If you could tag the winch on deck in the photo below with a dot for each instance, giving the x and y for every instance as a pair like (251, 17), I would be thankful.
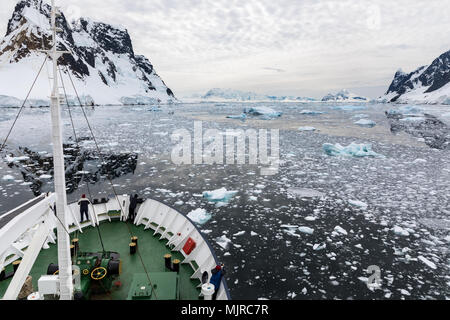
(93, 274)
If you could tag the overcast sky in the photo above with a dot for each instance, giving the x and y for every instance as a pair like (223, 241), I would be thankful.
(282, 47)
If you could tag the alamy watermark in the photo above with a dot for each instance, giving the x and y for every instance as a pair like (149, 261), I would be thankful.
(231, 147)
(374, 281)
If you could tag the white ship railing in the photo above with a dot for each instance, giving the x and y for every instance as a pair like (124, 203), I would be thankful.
(166, 222)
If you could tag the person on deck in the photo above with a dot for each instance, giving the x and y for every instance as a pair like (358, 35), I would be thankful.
(84, 208)
(133, 205)
(217, 274)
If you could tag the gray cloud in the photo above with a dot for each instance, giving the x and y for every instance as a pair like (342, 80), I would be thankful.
(322, 45)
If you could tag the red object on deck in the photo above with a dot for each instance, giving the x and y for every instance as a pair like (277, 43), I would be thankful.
(189, 246)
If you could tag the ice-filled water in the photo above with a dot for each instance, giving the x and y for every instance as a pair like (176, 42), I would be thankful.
(345, 214)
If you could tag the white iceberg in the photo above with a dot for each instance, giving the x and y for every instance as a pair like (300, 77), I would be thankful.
(199, 216)
(352, 150)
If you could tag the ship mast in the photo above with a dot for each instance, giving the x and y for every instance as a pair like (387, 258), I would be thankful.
(64, 257)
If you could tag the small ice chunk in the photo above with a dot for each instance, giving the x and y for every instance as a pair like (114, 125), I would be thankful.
(16, 159)
(223, 241)
(305, 193)
(358, 203)
(400, 231)
(341, 230)
(427, 262)
(310, 218)
(307, 129)
(45, 176)
(199, 216)
(8, 178)
(318, 247)
(306, 230)
(242, 116)
(238, 234)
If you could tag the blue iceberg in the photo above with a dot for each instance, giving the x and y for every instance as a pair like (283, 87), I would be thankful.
(352, 150)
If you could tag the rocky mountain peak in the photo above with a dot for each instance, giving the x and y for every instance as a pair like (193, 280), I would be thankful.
(103, 54)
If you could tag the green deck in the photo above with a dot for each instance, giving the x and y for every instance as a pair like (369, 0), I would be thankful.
(116, 237)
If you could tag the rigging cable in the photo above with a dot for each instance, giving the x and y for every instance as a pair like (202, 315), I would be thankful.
(78, 146)
(109, 178)
(23, 105)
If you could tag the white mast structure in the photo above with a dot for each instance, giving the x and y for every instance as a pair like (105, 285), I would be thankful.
(64, 257)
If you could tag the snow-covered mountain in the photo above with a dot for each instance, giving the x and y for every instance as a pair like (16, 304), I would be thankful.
(218, 94)
(344, 96)
(428, 84)
(104, 67)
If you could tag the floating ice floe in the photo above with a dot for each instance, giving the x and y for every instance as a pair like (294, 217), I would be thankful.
(10, 159)
(305, 193)
(306, 230)
(242, 116)
(224, 242)
(349, 108)
(199, 216)
(413, 119)
(240, 233)
(45, 177)
(310, 218)
(318, 247)
(307, 129)
(341, 230)
(8, 178)
(427, 262)
(358, 203)
(366, 123)
(222, 195)
(311, 112)
(352, 150)
(266, 112)
(405, 110)
(400, 231)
